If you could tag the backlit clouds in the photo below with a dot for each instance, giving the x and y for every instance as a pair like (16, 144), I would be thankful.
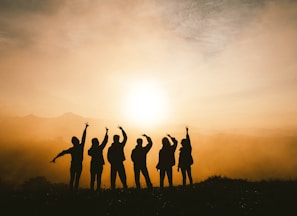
(219, 56)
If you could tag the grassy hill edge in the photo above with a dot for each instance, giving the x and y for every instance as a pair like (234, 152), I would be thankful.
(215, 195)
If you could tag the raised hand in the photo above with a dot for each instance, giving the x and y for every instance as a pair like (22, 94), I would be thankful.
(87, 125)
(120, 127)
(106, 129)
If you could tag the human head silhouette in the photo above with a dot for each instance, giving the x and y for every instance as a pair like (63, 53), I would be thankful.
(183, 142)
(139, 141)
(95, 142)
(165, 142)
(75, 141)
(116, 138)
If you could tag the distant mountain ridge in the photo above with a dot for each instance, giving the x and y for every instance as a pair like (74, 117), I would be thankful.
(70, 123)
(33, 126)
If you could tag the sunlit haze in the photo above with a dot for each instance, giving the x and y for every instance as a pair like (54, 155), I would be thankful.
(226, 69)
(145, 103)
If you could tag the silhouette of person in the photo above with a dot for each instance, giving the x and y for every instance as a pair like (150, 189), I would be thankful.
(185, 158)
(166, 159)
(76, 152)
(138, 157)
(116, 157)
(97, 160)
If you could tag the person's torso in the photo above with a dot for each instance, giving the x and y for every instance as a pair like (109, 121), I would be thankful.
(116, 153)
(185, 157)
(77, 154)
(96, 155)
(166, 157)
(139, 156)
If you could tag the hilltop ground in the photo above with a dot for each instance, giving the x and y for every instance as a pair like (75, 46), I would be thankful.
(215, 196)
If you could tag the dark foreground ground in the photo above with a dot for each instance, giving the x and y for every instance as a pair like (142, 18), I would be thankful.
(215, 196)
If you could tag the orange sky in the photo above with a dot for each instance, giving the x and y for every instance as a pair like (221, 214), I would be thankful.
(211, 65)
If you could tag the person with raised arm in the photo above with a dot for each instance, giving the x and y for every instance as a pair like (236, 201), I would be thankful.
(185, 158)
(76, 152)
(116, 157)
(166, 160)
(138, 156)
(97, 160)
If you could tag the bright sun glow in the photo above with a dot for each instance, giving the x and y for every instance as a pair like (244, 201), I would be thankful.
(145, 104)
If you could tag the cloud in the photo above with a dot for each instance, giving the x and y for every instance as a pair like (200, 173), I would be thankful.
(15, 15)
(72, 53)
(29, 6)
(211, 25)
(252, 81)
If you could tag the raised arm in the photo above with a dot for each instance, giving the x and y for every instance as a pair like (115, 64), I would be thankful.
(173, 140)
(104, 142)
(149, 144)
(188, 136)
(83, 139)
(124, 135)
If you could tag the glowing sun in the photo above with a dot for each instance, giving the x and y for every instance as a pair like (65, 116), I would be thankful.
(145, 103)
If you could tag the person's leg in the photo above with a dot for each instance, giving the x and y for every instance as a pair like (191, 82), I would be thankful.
(77, 177)
(112, 176)
(92, 181)
(183, 171)
(99, 175)
(169, 175)
(122, 174)
(137, 176)
(146, 176)
(189, 171)
(162, 176)
(72, 175)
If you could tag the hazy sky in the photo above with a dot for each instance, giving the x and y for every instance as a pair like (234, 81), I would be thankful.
(219, 63)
